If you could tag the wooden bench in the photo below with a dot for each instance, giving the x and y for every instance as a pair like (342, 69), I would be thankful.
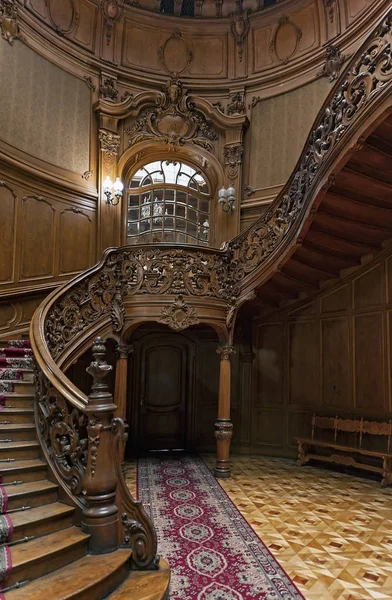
(354, 452)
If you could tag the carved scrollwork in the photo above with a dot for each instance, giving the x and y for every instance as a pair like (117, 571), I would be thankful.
(137, 537)
(9, 21)
(233, 159)
(179, 315)
(110, 144)
(174, 121)
(63, 429)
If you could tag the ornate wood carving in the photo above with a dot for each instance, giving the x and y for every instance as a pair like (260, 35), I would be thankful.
(224, 430)
(186, 53)
(9, 21)
(63, 28)
(174, 121)
(284, 22)
(236, 106)
(110, 144)
(112, 11)
(330, 6)
(240, 26)
(179, 315)
(233, 159)
(108, 89)
(87, 175)
(90, 83)
(334, 60)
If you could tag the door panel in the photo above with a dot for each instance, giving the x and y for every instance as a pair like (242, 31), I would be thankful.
(163, 394)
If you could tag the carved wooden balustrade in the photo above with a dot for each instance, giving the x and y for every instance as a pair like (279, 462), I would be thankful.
(180, 286)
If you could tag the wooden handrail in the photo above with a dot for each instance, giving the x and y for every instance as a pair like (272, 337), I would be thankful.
(78, 311)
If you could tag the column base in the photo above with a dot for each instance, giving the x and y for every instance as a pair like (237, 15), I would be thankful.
(222, 472)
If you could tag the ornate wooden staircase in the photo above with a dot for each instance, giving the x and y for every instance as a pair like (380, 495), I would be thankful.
(49, 554)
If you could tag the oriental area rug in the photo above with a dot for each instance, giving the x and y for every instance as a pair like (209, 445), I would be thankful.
(213, 552)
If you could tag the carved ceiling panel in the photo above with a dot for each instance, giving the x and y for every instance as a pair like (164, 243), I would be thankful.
(63, 15)
(176, 53)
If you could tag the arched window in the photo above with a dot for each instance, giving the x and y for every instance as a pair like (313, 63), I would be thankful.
(168, 201)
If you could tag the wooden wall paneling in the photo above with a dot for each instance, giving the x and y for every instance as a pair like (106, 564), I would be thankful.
(299, 424)
(75, 241)
(335, 364)
(368, 288)
(38, 227)
(16, 313)
(8, 208)
(206, 387)
(245, 396)
(335, 301)
(267, 429)
(369, 368)
(303, 350)
(268, 371)
(87, 24)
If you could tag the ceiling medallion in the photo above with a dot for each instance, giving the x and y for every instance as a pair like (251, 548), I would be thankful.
(177, 51)
(240, 26)
(174, 121)
(112, 11)
(179, 315)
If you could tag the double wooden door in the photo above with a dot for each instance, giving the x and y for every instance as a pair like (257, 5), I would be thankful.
(161, 402)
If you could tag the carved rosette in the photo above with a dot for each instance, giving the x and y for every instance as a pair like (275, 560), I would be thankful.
(110, 144)
(334, 60)
(233, 159)
(112, 11)
(223, 431)
(179, 315)
(9, 21)
(174, 122)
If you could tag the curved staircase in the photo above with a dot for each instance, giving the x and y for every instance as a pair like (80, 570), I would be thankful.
(49, 554)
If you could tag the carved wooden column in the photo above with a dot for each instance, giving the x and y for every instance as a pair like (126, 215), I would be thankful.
(121, 381)
(223, 426)
(100, 517)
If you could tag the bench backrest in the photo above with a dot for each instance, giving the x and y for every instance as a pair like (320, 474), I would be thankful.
(360, 426)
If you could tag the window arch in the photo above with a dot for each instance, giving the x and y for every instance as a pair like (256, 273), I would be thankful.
(168, 201)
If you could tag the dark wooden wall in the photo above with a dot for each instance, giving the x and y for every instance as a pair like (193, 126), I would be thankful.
(330, 355)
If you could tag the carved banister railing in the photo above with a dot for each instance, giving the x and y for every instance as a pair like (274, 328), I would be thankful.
(73, 315)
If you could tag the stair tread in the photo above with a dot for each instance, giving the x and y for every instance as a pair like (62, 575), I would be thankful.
(79, 575)
(144, 585)
(16, 411)
(16, 427)
(30, 487)
(55, 509)
(29, 463)
(47, 545)
(23, 444)
(17, 395)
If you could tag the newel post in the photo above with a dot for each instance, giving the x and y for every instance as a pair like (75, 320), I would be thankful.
(100, 517)
(223, 425)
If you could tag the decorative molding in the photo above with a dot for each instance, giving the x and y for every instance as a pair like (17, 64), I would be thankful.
(273, 49)
(87, 175)
(9, 21)
(224, 430)
(108, 89)
(179, 315)
(248, 190)
(225, 352)
(136, 536)
(255, 100)
(236, 106)
(112, 11)
(240, 26)
(94, 429)
(90, 84)
(188, 53)
(233, 159)
(174, 122)
(126, 95)
(124, 350)
(74, 19)
(110, 144)
(330, 6)
(334, 60)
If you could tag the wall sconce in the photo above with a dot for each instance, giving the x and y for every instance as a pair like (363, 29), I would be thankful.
(226, 199)
(109, 187)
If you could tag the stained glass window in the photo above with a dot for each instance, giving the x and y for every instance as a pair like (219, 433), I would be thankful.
(168, 201)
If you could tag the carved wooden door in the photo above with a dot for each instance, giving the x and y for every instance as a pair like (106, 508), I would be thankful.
(163, 390)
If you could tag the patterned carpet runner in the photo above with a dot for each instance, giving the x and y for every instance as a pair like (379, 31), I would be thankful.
(213, 552)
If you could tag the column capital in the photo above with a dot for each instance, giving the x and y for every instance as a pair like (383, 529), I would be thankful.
(123, 350)
(225, 352)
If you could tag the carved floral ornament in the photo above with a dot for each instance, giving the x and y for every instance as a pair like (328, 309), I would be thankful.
(110, 144)
(179, 315)
(240, 26)
(174, 121)
(233, 158)
(334, 60)
(9, 21)
(112, 11)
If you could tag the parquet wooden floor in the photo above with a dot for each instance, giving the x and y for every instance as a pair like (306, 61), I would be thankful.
(331, 532)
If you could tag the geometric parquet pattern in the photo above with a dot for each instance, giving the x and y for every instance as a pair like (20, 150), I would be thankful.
(331, 532)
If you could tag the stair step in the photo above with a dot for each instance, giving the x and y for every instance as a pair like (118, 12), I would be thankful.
(32, 493)
(90, 577)
(18, 432)
(144, 585)
(41, 520)
(19, 450)
(23, 470)
(40, 556)
(16, 374)
(18, 400)
(17, 415)
(16, 385)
